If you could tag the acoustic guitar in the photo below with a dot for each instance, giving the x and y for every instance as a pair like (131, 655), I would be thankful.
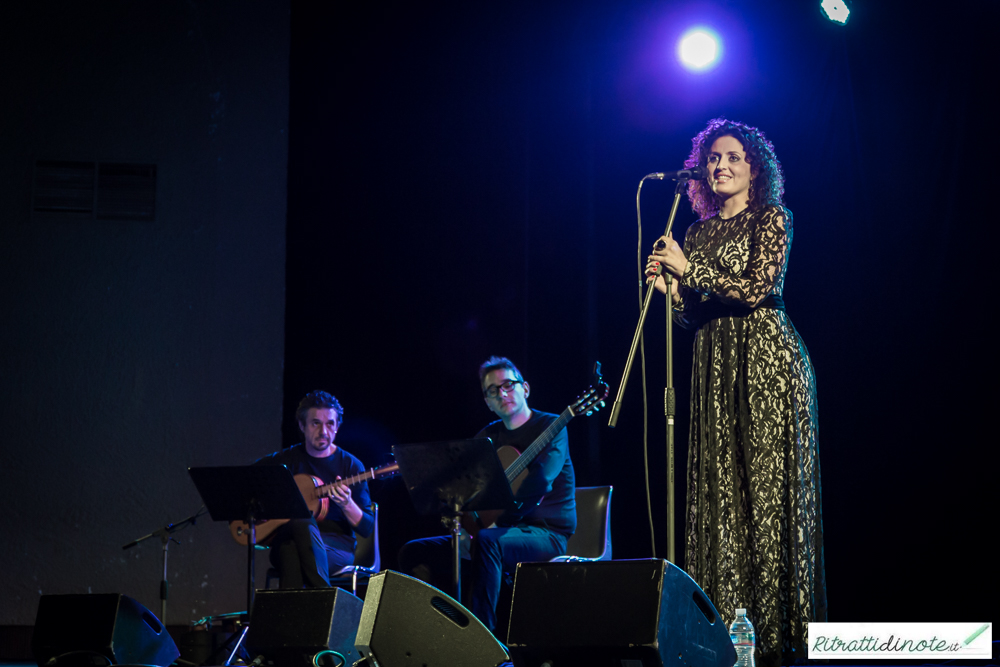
(317, 497)
(516, 463)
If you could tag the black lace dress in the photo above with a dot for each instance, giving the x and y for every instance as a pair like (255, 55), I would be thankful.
(754, 529)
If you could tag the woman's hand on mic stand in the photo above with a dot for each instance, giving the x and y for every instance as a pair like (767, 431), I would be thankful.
(667, 253)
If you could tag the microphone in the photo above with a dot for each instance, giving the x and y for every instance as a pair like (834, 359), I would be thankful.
(692, 174)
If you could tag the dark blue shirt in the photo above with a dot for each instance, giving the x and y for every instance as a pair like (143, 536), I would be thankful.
(336, 529)
(548, 493)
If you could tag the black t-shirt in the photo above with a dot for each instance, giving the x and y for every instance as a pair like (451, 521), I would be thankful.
(336, 529)
(550, 479)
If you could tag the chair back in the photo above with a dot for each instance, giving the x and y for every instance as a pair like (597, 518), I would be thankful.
(592, 539)
(366, 554)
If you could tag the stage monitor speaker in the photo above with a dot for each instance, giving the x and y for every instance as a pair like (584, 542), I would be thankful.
(627, 612)
(298, 627)
(76, 629)
(407, 623)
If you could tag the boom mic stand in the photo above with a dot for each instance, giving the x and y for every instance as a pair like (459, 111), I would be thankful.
(669, 397)
(165, 534)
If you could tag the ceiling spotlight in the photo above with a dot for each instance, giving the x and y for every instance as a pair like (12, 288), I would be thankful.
(699, 49)
(835, 10)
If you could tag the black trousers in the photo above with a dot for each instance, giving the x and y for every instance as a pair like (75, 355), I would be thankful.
(302, 558)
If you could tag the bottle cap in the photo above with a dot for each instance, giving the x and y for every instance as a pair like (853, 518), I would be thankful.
(741, 612)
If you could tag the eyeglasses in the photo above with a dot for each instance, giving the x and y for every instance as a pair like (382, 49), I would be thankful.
(494, 390)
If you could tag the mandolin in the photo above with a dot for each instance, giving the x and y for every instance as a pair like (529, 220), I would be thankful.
(317, 497)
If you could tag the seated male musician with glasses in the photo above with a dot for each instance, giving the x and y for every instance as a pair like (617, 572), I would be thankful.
(538, 530)
(306, 551)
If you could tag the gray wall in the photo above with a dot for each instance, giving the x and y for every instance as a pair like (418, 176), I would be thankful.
(132, 350)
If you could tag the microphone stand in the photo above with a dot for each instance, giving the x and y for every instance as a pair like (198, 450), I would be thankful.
(165, 534)
(669, 397)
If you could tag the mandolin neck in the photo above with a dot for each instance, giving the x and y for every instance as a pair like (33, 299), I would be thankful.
(373, 473)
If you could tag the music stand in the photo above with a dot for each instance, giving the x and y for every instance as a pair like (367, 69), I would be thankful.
(251, 494)
(452, 477)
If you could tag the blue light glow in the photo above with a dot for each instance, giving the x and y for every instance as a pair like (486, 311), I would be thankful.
(835, 10)
(699, 49)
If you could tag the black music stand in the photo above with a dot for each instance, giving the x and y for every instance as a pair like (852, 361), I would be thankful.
(251, 494)
(452, 477)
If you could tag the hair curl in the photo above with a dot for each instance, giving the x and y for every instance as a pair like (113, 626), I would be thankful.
(318, 399)
(768, 181)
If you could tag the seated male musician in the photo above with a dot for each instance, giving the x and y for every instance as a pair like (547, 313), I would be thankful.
(306, 551)
(539, 529)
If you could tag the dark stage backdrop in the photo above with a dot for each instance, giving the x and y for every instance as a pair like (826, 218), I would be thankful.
(132, 349)
(462, 183)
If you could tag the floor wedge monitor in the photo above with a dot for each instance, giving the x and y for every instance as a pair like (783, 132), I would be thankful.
(625, 612)
(407, 623)
(99, 629)
(294, 628)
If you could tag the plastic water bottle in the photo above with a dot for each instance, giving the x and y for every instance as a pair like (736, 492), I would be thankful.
(742, 634)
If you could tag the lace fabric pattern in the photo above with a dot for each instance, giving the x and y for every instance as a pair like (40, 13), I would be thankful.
(754, 530)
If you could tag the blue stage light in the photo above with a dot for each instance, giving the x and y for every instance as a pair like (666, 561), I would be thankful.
(699, 49)
(835, 10)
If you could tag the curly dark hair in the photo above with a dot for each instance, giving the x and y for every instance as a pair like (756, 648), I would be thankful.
(767, 180)
(318, 399)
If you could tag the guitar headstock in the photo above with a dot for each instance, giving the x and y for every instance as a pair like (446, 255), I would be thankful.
(592, 400)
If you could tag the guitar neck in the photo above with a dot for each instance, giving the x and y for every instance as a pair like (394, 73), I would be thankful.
(535, 448)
